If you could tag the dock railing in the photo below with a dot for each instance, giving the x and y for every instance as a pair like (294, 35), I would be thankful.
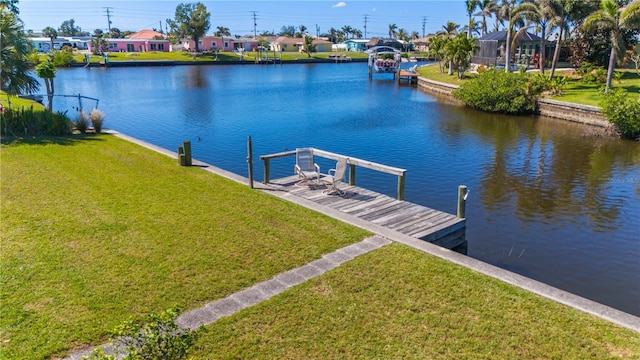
(352, 162)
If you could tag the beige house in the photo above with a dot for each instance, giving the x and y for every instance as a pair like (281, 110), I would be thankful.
(287, 44)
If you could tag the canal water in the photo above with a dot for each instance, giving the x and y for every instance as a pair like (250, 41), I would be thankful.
(548, 199)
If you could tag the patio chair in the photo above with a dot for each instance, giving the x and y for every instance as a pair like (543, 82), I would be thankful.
(306, 169)
(335, 178)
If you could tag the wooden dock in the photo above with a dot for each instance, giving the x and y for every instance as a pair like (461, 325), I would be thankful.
(415, 220)
(408, 76)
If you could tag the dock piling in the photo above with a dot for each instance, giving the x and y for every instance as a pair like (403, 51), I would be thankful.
(462, 200)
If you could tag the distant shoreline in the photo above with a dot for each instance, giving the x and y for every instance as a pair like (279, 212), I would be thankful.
(134, 63)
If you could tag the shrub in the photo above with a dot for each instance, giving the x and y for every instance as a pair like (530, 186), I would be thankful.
(159, 338)
(30, 122)
(97, 119)
(82, 122)
(623, 112)
(499, 91)
(63, 57)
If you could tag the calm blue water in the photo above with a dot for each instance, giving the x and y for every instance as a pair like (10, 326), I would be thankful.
(547, 200)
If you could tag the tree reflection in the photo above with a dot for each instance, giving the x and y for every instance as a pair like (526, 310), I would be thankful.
(548, 170)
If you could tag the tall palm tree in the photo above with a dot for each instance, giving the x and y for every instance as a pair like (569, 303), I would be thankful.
(51, 33)
(357, 34)
(515, 13)
(487, 8)
(415, 35)
(15, 75)
(471, 7)
(437, 49)
(449, 30)
(614, 18)
(392, 30)
(459, 50)
(347, 30)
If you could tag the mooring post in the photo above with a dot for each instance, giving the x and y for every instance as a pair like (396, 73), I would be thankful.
(266, 170)
(401, 182)
(352, 174)
(462, 200)
(250, 161)
(181, 159)
(186, 145)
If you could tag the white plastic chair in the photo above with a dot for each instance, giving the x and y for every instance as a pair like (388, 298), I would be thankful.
(335, 178)
(306, 168)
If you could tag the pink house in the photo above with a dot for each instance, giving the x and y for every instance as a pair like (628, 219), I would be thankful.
(222, 43)
(142, 41)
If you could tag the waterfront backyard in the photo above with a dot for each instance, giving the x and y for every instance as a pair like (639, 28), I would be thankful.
(96, 229)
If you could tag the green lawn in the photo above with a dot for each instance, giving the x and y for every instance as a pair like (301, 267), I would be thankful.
(399, 303)
(18, 103)
(575, 92)
(95, 229)
(207, 56)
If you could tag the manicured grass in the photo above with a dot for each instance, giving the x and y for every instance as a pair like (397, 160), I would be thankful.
(95, 229)
(398, 303)
(18, 103)
(575, 91)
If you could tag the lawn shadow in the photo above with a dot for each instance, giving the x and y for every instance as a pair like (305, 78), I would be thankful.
(66, 140)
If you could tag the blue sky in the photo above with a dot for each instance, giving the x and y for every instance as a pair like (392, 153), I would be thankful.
(238, 15)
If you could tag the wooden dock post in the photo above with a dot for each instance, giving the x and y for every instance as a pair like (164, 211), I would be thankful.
(250, 161)
(401, 181)
(186, 145)
(266, 170)
(352, 174)
(462, 200)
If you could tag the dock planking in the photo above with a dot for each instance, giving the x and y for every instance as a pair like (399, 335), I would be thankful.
(440, 228)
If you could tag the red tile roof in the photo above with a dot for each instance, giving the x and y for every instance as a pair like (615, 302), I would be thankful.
(145, 34)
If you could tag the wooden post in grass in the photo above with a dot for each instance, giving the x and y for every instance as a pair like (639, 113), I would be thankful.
(250, 161)
(186, 145)
(181, 158)
(267, 165)
(462, 200)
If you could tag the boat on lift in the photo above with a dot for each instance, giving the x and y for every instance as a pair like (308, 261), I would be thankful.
(384, 60)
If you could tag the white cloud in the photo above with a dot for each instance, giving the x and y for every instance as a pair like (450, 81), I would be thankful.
(339, 5)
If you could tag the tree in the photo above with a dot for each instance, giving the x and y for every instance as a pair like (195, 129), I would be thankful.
(287, 30)
(51, 33)
(15, 75)
(471, 5)
(487, 7)
(308, 46)
(222, 31)
(347, 30)
(69, 28)
(301, 31)
(357, 34)
(459, 51)
(191, 21)
(47, 71)
(392, 30)
(437, 49)
(514, 13)
(415, 35)
(449, 30)
(115, 33)
(614, 18)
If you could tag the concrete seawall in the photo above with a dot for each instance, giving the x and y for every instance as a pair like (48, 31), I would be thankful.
(584, 114)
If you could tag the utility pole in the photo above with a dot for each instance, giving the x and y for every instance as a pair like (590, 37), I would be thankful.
(160, 22)
(254, 24)
(424, 22)
(317, 30)
(366, 19)
(107, 10)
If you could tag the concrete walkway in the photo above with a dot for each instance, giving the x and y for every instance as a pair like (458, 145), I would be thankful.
(234, 303)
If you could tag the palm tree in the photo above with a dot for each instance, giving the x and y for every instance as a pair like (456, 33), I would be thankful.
(392, 30)
(437, 49)
(47, 71)
(459, 50)
(615, 19)
(487, 8)
(15, 75)
(471, 7)
(415, 35)
(51, 33)
(308, 47)
(357, 34)
(222, 31)
(449, 30)
(347, 30)
(514, 13)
